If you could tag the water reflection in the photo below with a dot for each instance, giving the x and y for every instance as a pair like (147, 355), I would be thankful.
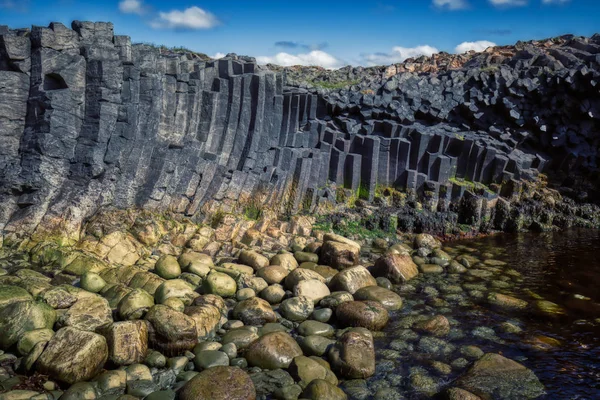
(563, 268)
(557, 335)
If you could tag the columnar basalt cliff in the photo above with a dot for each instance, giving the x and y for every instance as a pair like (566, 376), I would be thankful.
(89, 120)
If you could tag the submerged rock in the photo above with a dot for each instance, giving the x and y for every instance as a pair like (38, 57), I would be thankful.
(438, 326)
(353, 355)
(320, 389)
(388, 299)
(497, 377)
(507, 302)
(549, 308)
(460, 394)
(366, 314)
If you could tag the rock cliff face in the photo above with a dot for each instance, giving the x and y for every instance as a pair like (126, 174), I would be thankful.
(89, 120)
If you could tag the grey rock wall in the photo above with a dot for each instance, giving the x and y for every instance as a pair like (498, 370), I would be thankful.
(89, 120)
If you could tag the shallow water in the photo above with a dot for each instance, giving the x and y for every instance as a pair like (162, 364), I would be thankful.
(563, 351)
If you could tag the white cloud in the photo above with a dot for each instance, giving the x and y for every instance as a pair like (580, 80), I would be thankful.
(218, 55)
(190, 18)
(508, 3)
(479, 45)
(555, 1)
(397, 55)
(451, 4)
(131, 7)
(315, 57)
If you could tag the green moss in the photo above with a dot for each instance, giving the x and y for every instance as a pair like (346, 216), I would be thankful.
(464, 228)
(217, 218)
(363, 191)
(253, 211)
(323, 225)
(470, 185)
(357, 228)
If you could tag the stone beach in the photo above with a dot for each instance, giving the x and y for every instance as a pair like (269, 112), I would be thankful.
(156, 330)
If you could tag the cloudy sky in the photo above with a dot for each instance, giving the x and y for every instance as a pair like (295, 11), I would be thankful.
(329, 33)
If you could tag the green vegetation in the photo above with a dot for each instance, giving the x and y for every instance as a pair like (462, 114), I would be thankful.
(253, 211)
(217, 218)
(465, 228)
(363, 192)
(334, 85)
(357, 228)
(470, 185)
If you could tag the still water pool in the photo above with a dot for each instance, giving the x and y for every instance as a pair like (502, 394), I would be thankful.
(557, 335)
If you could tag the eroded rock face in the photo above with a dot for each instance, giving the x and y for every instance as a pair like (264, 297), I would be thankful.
(73, 355)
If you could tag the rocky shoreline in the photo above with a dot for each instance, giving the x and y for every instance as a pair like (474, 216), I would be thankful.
(156, 308)
(173, 226)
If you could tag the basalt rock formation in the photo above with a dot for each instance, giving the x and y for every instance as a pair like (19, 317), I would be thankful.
(90, 120)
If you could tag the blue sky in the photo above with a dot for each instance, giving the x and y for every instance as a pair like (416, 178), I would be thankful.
(331, 33)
